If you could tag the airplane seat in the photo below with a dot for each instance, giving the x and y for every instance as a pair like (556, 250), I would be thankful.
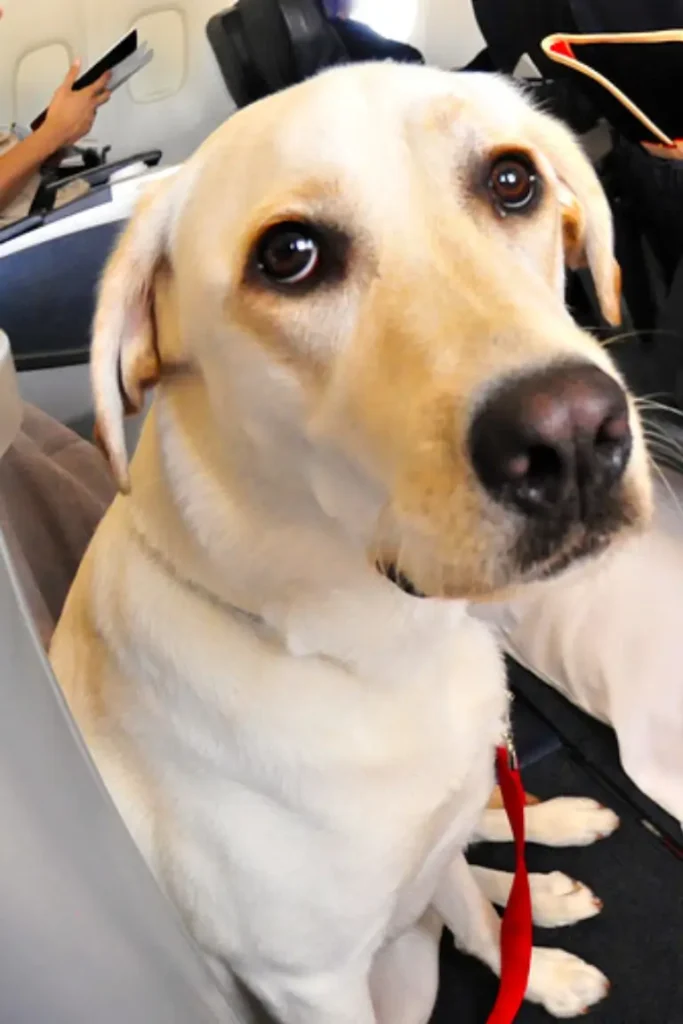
(262, 46)
(38, 43)
(50, 261)
(161, 115)
(179, 98)
(50, 265)
(173, 104)
(87, 934)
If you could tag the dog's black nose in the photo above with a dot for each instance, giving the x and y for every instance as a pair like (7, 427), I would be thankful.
(553, 437)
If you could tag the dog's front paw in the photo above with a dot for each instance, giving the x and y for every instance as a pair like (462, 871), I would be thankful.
(565, 985)
(569, 821)
(558, 900)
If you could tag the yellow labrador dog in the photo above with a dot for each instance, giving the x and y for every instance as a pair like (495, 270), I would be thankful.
(368, 388)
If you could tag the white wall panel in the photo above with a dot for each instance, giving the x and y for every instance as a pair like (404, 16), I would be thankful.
(448, 32)
(180, 98)
(167, 34)
(191, 97)
(29, 26)
(173, 104)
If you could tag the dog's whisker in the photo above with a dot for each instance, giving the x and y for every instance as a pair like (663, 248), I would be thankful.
(651, 400)
(656, 428)
(666, 441)
(652, 431)
(634, 333)
(664, 450)
(672, 463)
(611, 339)
(662, 444)
(650, 405)
(669, 459)
(659, 445)
(674, 497)
(615, 339)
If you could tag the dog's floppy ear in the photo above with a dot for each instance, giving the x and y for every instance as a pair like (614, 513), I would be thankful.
(124, 356)
(587, 218)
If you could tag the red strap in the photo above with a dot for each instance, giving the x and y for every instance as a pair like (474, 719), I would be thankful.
(516, 929)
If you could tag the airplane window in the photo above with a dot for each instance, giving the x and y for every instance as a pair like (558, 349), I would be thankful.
(394, 19)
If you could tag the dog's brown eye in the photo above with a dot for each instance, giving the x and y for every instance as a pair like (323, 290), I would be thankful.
(288, 254)
(513, 183)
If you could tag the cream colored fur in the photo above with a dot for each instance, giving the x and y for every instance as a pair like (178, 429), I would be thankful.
(301, 750)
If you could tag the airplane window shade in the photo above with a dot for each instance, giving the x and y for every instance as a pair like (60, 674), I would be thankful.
(394, 19)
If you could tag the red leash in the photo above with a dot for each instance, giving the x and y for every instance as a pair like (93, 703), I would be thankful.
(516, 927)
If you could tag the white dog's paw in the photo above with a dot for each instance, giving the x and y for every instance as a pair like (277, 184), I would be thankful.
(565, 985)
(569, 821)
(558, 900)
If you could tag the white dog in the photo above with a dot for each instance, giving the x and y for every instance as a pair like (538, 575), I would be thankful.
(368, 387)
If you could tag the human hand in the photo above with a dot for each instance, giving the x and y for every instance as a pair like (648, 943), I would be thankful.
(71, 114)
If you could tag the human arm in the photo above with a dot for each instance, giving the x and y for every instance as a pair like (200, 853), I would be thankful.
(70, 116)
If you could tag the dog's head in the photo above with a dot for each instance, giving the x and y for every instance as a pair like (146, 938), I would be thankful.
(381, 252)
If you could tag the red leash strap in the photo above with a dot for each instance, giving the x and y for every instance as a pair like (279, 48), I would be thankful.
(516, 926)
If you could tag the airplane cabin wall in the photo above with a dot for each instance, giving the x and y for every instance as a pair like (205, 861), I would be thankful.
(447, 33)
(176, 101)
(172, 104)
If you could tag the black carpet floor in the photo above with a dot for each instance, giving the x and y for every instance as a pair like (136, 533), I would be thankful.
(637, 940)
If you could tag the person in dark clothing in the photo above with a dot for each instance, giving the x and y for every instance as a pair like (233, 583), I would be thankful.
(362, 42)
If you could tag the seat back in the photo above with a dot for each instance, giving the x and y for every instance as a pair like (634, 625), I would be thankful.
(87, 935)
(262, 46)
(49, 275)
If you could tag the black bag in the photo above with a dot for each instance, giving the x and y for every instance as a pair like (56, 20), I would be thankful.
(645, 190)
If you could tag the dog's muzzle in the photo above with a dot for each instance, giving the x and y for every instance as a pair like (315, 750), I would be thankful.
(552, 447)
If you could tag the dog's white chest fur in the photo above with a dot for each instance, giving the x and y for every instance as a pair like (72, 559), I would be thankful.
(289, 806)
(335, 823)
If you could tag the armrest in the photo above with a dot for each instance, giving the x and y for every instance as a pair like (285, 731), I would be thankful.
(98, 174)
(20, 227)
(87, 156)
(97, 177)
(101, 175)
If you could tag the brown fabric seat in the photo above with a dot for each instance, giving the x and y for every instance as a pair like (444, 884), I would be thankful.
(54, 489)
